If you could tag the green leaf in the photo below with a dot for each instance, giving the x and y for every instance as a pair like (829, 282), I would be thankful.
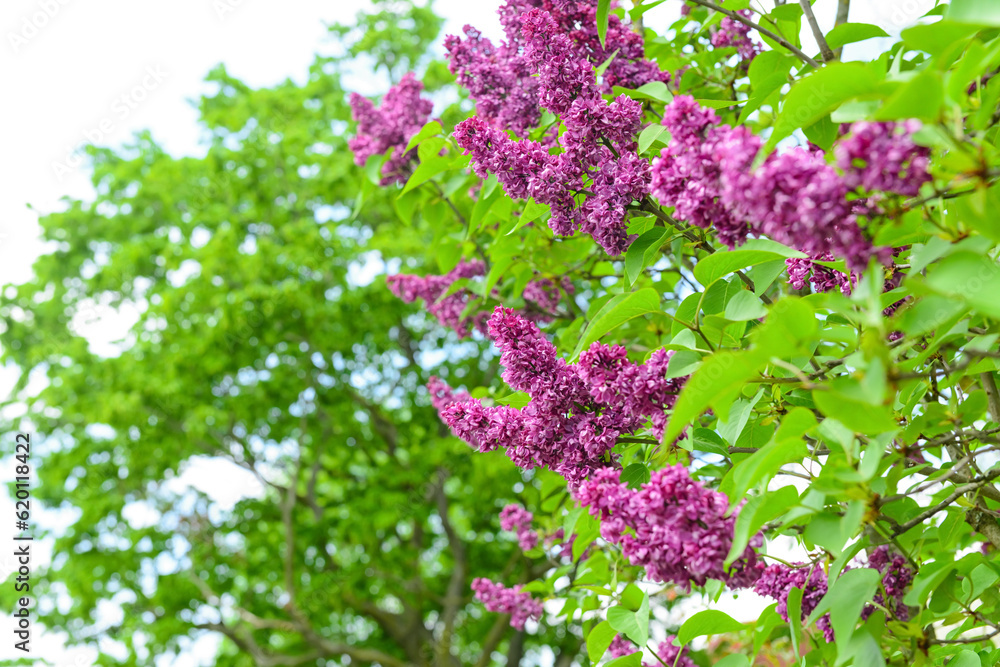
(758, 511)
(433, 128)
(427, 170)
(966, 658)
(845, 600)
(617, 311)
(734, 660)
(532, 211)
(630, 660)
(921, 97)
(977, 12)
(763, 464)
(794, 604)
(599, 640)
(744, 306)
(635, 475)
(707, 440)
(708, 622)
(848, 33)
(935, 38)
(603, 7)
(634, 624)
(819, 94)
(720, 264)
(641, 251)
(649, 136)
(715, 384)
(603, 67)
(859, 416)
(968, 278)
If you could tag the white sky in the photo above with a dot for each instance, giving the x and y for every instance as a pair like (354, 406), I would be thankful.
(75, 71)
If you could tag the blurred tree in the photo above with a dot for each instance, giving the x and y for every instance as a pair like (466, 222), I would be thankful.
(264, 337)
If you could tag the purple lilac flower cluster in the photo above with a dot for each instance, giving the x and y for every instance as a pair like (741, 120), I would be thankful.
(896, 579)
(735, 33)
(620, 646)
(500, 78)
(447, 311)
(402, 114)
(516, 519)
(498, 598)
(598, 144)
(883, 157)
(777, 581)
(795, 197)
(576, 412)
(679, 529)
(822, 278)
(671, 655)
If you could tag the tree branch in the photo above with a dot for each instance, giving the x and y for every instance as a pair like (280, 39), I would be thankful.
(824, 48)
(762, 30)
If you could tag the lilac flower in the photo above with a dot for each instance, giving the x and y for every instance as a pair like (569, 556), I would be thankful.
(678, 528)
(669, 653)
(576, 412)
(508, 95)
(598, 144)
(402, 114)
(822, 278)
(497, 78)
(620, 646)
(883, 156)
(734, 33)
(777, 581)
(516, 519)
(497, 598)
(447, 310)
(707, 175)
(896, 579)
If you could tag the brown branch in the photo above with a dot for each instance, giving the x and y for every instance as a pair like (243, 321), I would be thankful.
(843, 9)
(817, 32)
(759, 28)
(493, 638)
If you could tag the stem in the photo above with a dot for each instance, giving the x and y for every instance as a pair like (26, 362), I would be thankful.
(824, 48)
(762, 30)
(843, 9)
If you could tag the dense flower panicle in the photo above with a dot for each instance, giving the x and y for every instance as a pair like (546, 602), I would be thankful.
(545, 293)
(516, 519)
(734, 33)
(498, 598)
(442, 395)
(896, 579)
(598, 145)
(680, 533)
(777, 581)
(620, 646)
(668, 654)
(883, 156)
(823, 279)
(501, 82)
(447, 311)
(402, 114)
(497, 78)
(576, 412)
(707, 175)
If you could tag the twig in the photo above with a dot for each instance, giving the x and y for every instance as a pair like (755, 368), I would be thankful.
(762, 30)
(824, 48)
